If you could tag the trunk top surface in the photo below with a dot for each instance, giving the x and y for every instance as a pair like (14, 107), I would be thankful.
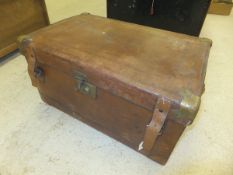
(150, 60)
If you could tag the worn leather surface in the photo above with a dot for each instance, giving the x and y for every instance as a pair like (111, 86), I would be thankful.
(144, 60)
(132, 67)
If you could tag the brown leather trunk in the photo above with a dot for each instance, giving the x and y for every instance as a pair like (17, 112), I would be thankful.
(139, 85)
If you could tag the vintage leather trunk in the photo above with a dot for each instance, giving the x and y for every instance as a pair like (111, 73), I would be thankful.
(139, 85)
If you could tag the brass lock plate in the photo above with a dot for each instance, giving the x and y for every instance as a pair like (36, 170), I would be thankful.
(84, 86)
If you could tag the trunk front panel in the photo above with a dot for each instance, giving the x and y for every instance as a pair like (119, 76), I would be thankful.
(112, 115)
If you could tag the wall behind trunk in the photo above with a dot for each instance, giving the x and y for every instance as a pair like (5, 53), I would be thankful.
(60, 9)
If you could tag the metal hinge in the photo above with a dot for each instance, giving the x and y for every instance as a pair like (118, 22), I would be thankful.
(84, 86)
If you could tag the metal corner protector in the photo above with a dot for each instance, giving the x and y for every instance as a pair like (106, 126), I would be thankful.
(22, 42)
(189, 106)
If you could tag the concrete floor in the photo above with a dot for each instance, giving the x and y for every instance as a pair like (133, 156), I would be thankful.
(37, 139)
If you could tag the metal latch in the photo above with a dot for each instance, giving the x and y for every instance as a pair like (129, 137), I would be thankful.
(84, 86)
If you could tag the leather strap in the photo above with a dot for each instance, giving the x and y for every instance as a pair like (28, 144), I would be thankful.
(153, 129)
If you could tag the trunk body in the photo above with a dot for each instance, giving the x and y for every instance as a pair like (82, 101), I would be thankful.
(139, 85)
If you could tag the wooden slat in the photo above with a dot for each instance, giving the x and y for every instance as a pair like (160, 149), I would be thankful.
(8, 49)
(18, 18)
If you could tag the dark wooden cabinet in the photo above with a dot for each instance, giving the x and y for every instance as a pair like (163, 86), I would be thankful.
(183, 16)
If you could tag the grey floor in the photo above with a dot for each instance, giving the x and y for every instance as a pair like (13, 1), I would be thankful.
(37, 139)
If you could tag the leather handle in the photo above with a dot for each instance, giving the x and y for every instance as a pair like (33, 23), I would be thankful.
(154, 127)
(26, 48)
